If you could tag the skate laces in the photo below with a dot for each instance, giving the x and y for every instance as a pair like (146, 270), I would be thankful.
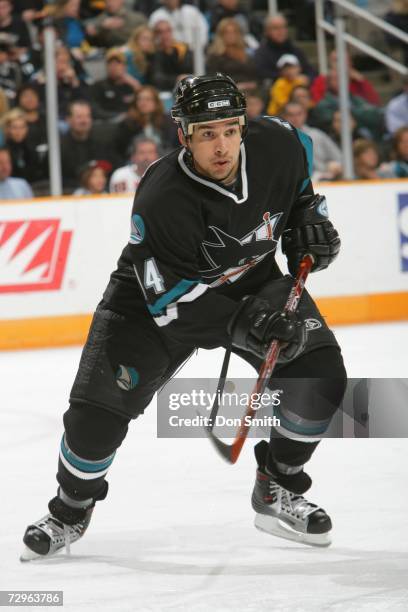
(292, 503)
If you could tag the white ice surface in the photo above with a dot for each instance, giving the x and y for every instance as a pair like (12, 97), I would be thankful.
(176, 531)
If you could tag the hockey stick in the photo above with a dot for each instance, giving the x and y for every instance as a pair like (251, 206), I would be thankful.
(231, 452)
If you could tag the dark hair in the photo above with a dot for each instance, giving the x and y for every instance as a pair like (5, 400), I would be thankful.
(27, 87)
(5, 150)
(88, 169)
(396, 140)
(78, 102)
(157, 117)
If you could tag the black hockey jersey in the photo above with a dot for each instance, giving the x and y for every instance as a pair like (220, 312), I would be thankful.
(197, 247)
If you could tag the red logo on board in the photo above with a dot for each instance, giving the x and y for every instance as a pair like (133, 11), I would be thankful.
(33, 255)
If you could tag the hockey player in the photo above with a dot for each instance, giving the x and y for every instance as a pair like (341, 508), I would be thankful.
(204, 228)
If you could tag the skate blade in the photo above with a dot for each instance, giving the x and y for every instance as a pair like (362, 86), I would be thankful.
(30, 555)
(273, 526)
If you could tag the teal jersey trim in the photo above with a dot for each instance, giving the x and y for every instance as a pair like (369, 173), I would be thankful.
(178, 290)
(308, 146)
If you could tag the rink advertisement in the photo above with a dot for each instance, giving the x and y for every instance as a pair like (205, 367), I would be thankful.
(56, 255)
(371, 408)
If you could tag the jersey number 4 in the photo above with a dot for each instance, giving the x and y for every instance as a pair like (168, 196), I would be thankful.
(152, 277)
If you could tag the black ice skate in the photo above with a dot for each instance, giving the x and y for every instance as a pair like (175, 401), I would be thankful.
(282, 510)
(60, 528)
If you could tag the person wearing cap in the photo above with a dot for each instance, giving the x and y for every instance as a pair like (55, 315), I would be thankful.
(276, 43)
(112, 96)
(289, 77)
(93, 178)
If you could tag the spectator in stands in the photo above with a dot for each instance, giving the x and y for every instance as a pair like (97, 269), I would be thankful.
(13, 24)
(146, 6)
(289, 77)
(255, 103)
(126, 179)
(326, 154)
(139, 53)
(29, 61)
(358, 84)
(172, 58)
(366, 159)
(28, 9)
(275, 44)
(93, 178)
(228, 54)
(4, 108)
(11, 188)
(233, 9)
(28, 100)
(71, 85)
(334, 130)
(83, 143)
(398, 167)
(92, 8)
(188, 23)
(396, 111)
(68, 23)
(10, 74)
(113, 26)
(398, 17)
(366, 115)
(112, 96)
(25, 161)
(301, 94)
(146, 117)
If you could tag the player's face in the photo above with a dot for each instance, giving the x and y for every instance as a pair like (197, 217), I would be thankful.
(215, 149)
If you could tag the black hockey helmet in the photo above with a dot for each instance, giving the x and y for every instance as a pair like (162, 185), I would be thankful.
(212, 97)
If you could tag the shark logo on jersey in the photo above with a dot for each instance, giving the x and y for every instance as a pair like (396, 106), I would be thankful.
(127, 378)
(230, 257)
(312, 324)
(137, 230)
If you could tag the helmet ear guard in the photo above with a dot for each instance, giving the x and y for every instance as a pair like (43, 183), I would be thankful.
(208, 98)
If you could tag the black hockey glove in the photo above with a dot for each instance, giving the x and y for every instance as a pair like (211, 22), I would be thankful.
(311, 232)
(254, 325)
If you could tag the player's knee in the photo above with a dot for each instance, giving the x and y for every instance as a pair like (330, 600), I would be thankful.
(93, 431)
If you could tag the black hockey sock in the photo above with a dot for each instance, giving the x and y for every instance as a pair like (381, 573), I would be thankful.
(74, 503)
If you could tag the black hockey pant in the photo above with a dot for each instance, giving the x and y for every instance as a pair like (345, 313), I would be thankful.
(125, 362)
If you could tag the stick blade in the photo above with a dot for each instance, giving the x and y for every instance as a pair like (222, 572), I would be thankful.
(225, 450)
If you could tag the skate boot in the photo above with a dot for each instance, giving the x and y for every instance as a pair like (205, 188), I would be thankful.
(63, 526)
(281, 509)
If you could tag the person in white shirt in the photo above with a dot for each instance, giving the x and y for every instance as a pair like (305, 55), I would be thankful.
(396, 111)
(11, 188)
(126, 179)
(189, 24)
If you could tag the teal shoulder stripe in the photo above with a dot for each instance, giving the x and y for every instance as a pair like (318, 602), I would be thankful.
(308, 146)
(178, 290)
